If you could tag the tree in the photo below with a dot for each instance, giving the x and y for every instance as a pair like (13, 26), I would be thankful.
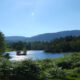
(18, 46)
(2, 43)
(27, 70)
(65, 44)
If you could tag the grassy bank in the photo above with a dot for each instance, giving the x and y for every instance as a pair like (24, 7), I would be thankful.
(64, 68)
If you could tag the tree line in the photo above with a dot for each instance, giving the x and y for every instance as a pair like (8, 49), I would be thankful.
(27, 45)
(65, 44)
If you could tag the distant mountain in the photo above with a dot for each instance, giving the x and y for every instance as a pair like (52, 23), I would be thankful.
(50, 36)
(15, 38)
(45, 37)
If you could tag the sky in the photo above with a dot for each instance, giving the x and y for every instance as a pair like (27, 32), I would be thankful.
(32, 17)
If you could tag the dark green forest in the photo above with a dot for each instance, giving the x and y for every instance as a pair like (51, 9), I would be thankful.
(28, 45)
(63, 44)
(66, 44)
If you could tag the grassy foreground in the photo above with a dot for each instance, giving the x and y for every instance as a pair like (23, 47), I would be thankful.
(64, 68)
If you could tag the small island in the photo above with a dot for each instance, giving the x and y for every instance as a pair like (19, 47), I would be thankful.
(20, 48)
(21, 53)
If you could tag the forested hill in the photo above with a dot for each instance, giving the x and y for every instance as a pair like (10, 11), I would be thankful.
(45, 37)
(15, 38)
(51, 36)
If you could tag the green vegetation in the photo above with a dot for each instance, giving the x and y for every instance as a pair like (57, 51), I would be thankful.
(64, 68)
(28, 45)
(2, 43)
(19, 46)
(66, 44)
(38, 45)
(3, 47)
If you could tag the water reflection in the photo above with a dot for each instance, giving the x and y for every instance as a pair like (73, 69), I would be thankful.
(34, 55)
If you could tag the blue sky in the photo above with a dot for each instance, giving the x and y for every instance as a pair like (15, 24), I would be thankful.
(32, 17)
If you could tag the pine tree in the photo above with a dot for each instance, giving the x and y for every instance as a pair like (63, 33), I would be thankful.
(2, 43)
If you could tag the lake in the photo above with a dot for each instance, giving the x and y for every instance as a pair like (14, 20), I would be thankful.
(34, 55)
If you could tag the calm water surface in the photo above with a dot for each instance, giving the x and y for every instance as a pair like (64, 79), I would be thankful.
(33, 54)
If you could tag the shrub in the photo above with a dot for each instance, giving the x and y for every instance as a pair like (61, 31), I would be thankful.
(27, 70)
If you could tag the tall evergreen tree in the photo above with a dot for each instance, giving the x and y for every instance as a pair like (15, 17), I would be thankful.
(2, 43)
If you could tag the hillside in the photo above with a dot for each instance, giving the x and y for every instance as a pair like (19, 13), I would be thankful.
(15, 38)
(44, 37)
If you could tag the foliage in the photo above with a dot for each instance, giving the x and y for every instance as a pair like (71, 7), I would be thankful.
(38, 45)
(18, 46)
(27, 70)
(5, 69)
(2, 43)
(19, 70)
(66, 44)
(64, 68)
(28, 45)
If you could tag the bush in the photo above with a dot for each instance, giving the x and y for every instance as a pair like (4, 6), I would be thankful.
(27, 70)
(57, 73)
(7, 56)
(66, 68)
(5, 69)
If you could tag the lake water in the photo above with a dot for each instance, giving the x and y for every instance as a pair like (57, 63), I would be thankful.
(34, 55)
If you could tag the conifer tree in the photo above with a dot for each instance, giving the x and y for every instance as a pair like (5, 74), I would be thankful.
(2, 43)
